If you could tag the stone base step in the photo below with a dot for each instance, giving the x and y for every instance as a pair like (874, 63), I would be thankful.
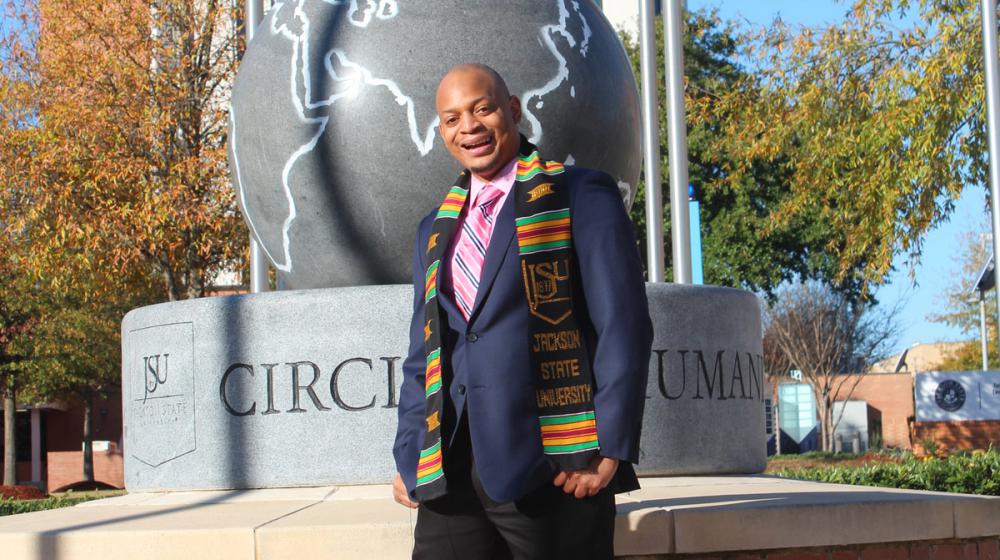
(708, 515)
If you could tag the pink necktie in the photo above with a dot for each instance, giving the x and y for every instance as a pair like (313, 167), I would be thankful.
(470, 248)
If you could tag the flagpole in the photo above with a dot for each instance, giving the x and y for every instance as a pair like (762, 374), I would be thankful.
(673, 27)
(651, 143)
(258, 261)
(989, 16)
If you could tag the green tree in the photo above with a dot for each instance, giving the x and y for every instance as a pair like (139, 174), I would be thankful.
(743, 244)
(960, 302)
(75, 343)
(874, 125)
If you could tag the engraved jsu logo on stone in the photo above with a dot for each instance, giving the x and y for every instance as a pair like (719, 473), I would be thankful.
(548, 289)
(161, 393)
(155, 375)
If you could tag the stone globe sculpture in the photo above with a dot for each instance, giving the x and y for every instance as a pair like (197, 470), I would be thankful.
(335, 152)
(335, 157)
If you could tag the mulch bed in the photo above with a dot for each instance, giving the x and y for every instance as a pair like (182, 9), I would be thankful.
(777, 464)
(21, 493)
(85, 486)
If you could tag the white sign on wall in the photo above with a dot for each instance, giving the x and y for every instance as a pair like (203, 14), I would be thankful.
(957, 395)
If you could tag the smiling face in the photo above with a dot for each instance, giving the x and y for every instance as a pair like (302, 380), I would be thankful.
(479, 119)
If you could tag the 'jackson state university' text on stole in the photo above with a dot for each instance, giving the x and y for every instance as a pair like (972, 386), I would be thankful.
(559, 358)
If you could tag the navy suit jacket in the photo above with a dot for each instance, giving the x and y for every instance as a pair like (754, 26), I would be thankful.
(488, 371)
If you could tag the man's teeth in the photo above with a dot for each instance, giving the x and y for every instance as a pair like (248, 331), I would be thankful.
(480, 144)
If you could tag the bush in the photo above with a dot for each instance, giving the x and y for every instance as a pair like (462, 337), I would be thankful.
(13, 507)
(976, 472)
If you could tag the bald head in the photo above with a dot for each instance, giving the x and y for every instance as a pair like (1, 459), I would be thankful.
(483, 71)
(479, 118)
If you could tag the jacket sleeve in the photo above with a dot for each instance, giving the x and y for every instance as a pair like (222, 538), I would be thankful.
(615, 292)
(410, 429)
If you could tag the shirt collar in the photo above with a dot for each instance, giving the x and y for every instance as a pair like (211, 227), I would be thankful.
(504, 180)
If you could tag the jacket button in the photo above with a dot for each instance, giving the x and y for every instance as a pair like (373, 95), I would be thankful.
(461, 389)
(472, 337)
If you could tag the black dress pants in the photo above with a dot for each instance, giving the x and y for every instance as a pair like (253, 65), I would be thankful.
(546, 524)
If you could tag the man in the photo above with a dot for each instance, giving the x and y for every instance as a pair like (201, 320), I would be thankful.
(524, 386)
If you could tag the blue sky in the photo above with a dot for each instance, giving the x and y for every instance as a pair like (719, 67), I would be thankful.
(937, 265)
(811, 12)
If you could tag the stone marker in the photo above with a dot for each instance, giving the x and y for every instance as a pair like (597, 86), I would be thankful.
(334, 158)
(300, 388)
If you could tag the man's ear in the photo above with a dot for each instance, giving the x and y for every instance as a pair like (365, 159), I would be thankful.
(515, 109)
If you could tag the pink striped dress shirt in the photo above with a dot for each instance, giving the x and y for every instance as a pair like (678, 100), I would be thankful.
(504, 181)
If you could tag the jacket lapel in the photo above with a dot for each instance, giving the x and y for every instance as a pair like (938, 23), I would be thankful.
(503, 234)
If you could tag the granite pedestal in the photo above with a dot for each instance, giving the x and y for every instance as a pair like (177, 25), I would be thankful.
(300, 388)
(718, 517)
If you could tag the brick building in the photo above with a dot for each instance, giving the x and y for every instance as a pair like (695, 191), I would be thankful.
(892, 395)
(888, 389)
(50, 444)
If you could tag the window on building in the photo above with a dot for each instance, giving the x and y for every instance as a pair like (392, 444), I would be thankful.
(797, 408)
(22, 432)
(768, 417)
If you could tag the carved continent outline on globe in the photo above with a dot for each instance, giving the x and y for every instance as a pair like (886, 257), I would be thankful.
(333, 140)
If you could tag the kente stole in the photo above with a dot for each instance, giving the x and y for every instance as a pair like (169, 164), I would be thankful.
(559, 359)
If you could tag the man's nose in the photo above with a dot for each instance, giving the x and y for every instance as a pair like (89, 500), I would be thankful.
(470, 123)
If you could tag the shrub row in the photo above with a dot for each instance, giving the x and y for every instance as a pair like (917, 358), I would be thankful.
(12, 507)
(825, 455)
(976, 472)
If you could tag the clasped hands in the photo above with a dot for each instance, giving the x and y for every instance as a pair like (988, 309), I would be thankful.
(589, 481)
(581, 483)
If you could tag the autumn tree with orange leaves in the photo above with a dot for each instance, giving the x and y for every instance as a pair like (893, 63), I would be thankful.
(114, 188)
(16, 317)
(127, 166)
